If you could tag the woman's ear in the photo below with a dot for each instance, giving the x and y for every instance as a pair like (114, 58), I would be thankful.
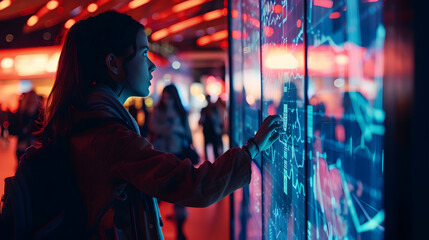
(114, 66)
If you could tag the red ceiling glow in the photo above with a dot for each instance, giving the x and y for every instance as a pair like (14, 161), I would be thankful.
(187, 24)
(187, 4)
(69, 23)
(213, 15)
(4, 4)
(32, 20)
(92, 7)
(137, 3)
(51, 5)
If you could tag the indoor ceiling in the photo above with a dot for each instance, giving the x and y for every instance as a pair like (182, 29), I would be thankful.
(172, 25)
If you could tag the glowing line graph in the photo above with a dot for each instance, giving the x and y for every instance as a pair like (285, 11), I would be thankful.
(299, 187)
(286, 139)
(366, 115)
(369, 225)
(365, 212)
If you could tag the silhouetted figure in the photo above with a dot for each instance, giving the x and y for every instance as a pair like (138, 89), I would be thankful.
(3, 119)
(104, 61)
(144, 130)
(25, 122)
(212, 123)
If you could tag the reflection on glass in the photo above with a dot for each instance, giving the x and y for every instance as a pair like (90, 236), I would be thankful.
(247, 90)
(323, 179)
(345, 120)
(248, 209)
(283, 86)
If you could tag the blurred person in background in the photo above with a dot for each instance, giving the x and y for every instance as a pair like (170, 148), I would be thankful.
(3, 119)
(26, 121)
(212, 123)
(104, 61)
(171, 133)
(223, 111)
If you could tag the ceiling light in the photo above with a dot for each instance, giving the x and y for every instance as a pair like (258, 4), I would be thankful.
(186, 5)
(32, 20)
(69, 23)
(51, 5)
(137, 3)
(4, 4)
(92, 7)
(7, 62)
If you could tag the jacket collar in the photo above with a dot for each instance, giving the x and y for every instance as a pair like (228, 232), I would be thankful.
(103, 103)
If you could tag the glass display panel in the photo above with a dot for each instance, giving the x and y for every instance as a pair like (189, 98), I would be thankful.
(248, 208)
(322, 72)
(283, 94)
(345, 119)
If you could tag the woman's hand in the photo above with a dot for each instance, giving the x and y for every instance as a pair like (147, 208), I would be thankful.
(267, 134)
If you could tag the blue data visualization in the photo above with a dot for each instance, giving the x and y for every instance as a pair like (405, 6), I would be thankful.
(319, 65)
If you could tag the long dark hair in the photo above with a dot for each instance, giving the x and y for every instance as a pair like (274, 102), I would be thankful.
(82, 65)
(178, 106)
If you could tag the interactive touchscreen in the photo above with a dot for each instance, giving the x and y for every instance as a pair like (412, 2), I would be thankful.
(319, 65)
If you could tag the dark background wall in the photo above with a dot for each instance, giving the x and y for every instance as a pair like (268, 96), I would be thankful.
(406, 105)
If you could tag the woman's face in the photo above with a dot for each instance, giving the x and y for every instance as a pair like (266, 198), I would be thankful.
(140, 68)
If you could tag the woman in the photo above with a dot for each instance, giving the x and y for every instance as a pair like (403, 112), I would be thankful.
(169, 124)
(25, 121)
(103, 62)
(171, 133)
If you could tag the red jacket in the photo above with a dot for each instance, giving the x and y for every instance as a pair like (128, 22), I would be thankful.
(111, 154)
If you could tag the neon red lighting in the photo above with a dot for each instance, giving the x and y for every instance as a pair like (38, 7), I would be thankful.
(202, 41)
(186, 24)
(186, 5)
(335, 15)
(218, 36)
(234, 13)
(236, 34)
(224, 44)
(268, 31)
(278, 8)
(255, 22)
(298, 23)
(213, 15)
(323, 3)
(4, 4)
